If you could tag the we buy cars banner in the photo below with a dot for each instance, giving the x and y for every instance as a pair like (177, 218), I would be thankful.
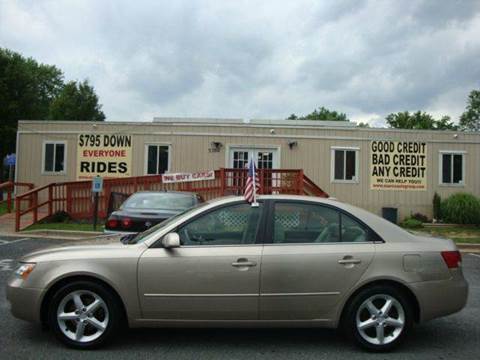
(184, 177)
(105, 155)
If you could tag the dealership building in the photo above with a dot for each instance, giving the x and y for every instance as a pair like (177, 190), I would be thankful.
(369, 167)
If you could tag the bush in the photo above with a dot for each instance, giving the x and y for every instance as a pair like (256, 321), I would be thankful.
(437, 202)
(411, 223)
(461, 208)
(420, 217)
(61, 216)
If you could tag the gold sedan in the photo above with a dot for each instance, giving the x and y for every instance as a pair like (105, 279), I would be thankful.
(292, 261)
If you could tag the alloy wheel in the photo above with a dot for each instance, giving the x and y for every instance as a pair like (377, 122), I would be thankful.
(82, 316)
(380, 319)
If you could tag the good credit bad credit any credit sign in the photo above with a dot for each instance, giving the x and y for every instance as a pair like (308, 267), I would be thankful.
(106, 155)
(398, 165)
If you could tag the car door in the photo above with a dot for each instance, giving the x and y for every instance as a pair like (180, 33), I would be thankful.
(312, 260)
(213, 275)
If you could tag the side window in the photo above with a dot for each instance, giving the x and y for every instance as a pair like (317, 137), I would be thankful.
(305, 223)
(451, 168)
(157, 159)
(54, 157)
(353, 231)
(230, 225)
(344, 165)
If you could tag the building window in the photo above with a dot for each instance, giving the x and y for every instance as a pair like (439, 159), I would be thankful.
(54, 157)
(344, 165)
(157, 159)
(452, 167)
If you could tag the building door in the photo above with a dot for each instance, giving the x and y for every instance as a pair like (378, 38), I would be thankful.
(266, 158)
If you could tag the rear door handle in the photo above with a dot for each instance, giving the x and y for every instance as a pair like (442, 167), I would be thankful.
(349, 261)
(243, 262)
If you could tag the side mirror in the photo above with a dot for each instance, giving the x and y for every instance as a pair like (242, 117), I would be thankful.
(171, 240)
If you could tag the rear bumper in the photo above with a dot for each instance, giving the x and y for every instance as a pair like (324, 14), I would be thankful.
(441, 298)
(24, 302)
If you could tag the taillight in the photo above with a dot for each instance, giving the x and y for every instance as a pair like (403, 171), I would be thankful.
(112, 223)
(453, 259)
(126, 222)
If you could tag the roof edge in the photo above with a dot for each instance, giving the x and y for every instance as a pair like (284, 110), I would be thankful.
(273, 122)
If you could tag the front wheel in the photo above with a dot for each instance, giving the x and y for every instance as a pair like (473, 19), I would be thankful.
(84, 314)
(379, 318)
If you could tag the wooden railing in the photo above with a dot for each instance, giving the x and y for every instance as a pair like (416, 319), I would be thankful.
(312, 189)
(9, 188)
(75, 197)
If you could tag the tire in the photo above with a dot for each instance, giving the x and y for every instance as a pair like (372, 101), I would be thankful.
(84, 315)
(365, 324)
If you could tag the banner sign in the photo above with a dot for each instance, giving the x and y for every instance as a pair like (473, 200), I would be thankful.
(105, 155)
(398, 165)
(184, 177)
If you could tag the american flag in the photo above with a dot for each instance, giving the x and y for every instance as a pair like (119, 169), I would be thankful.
(250, 191)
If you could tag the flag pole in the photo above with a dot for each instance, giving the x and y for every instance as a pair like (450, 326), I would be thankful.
(254, 178)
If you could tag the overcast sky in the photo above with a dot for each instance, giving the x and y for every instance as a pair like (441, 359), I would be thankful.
(256, 59)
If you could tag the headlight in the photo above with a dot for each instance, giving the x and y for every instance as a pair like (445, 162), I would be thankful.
(24, 270)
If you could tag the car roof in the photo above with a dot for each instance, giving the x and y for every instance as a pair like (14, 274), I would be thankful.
(382, 227)
(231, 198)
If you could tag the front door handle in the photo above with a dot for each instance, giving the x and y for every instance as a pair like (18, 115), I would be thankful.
(243, 262)
(347, 260)
(351, 261)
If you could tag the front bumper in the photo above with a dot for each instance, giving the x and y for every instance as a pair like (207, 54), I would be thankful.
(441, 298)
(24, 302)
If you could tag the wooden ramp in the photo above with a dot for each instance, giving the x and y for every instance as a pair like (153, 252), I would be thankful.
(7, 221)
(75, 197)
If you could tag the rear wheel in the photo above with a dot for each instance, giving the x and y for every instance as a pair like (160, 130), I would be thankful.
(84, 314)
(379, 318)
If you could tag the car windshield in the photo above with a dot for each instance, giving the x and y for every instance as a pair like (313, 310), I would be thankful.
(159, 201)
(143, 235)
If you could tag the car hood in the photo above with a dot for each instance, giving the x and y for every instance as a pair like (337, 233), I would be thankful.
(100, 247)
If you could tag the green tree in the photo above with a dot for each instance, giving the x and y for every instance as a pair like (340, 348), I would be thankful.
(445, 123)
(26, 90)
(470, 119)
(363, 125)
(321, 113)
(76, 101)
(419, 120)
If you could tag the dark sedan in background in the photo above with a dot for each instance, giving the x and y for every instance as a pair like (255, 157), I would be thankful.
(144, 209)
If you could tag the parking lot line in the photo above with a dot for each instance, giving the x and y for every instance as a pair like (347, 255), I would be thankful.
(6, 242)
(476, 255)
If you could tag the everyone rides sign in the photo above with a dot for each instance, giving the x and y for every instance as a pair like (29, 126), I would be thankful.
(105, 155)
(398, 165)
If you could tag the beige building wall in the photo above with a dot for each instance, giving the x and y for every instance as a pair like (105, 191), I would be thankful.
(190, 142)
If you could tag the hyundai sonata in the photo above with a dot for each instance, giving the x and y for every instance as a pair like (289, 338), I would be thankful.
(291, 261)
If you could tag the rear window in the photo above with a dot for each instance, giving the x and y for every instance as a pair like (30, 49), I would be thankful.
(164, 201)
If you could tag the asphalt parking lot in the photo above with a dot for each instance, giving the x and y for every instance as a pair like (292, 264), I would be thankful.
(453, 337)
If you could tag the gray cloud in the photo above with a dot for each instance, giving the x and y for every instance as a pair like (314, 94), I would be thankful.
(256, 59)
